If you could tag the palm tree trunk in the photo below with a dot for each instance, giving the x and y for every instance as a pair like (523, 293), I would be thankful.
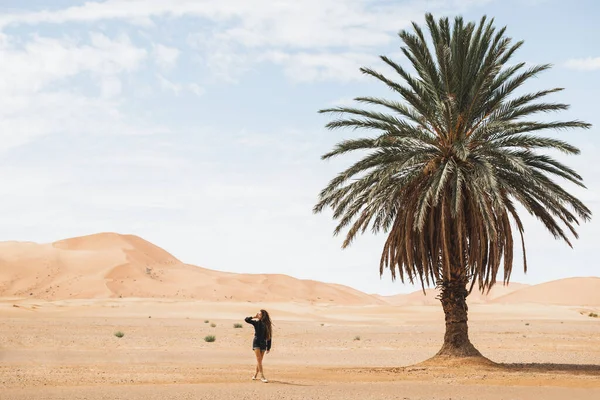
(454, 302)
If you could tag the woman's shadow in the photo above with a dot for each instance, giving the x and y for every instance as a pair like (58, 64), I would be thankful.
(276, 381)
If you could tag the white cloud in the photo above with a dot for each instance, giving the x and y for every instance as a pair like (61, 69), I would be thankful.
(110, 87)
(240, 31)
(28, 182)
(140, 158)
(166, 57)
(37, 98)
(178, 88)
(308, 67)
(224, 61)
(306, 24)
(228, 64)
(196, 89)
(67, 113)
(289, 145)
(259, 22)
(168, 85)
(43, 61)
(585, 64)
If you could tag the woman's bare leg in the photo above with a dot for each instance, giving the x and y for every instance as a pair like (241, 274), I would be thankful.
(260, 366)
(258, 354)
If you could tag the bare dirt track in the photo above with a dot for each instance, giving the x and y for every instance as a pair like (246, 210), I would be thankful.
(67, 350)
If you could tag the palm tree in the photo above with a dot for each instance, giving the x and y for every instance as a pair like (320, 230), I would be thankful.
(450, 161)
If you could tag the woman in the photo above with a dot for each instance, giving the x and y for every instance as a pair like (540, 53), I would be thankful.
(262, 339)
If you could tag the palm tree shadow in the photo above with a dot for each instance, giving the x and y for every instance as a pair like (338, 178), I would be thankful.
(577, 369)
(287, 383)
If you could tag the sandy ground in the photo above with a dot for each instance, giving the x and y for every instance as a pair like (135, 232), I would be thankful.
(67, 350)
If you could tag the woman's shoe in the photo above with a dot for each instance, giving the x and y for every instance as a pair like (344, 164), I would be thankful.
(264, 380)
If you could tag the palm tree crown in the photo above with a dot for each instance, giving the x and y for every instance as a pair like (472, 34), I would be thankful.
(452, 158)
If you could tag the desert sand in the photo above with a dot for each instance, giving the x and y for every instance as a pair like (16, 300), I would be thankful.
(61, 303)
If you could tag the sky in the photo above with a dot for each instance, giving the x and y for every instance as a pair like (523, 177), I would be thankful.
(194, 124)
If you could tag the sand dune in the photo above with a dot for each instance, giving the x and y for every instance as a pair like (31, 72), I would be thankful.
(111, 265)
(429, 298)
(566, 292)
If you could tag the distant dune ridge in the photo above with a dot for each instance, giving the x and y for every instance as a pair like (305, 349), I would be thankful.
(109, 265)
(566, 292)
(476, 297)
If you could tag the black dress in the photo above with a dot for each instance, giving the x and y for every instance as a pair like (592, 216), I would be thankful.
(260, 335)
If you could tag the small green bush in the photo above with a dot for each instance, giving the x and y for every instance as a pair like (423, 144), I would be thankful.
(593, 315)
(119, 334)
(206, 321)
(213, 325)
(237, 325)
(356, 337)
(210, 338)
